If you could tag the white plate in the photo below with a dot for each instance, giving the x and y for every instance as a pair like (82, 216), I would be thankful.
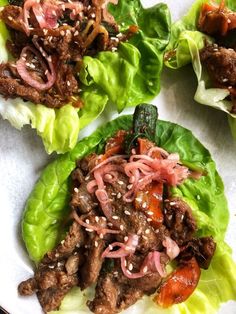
(22, 157)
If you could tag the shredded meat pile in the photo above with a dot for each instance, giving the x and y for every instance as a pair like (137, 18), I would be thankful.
(124, 254)
(48, 40)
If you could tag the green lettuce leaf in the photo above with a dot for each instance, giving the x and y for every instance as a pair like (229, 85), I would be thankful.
(47, 208)
(184, 46)
(126, 77)
(132, 75)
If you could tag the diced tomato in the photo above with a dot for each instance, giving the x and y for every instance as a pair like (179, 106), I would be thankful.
(150, 202)
(180, 284)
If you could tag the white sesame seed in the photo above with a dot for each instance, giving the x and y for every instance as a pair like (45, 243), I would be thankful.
(127, 212)
(51, 266)
(129, 187)
(114, 194)
(229, 21)
(89, 7)
(63, 241)
(76, 33)
(87, 221)
(93, 15)
(225, 80)
(119, 35)
(110, 246)
(145, 269)
(68, 83)
(78, 245)
(138, 199)
(96, 243)
(149, 219)
(110, 224)
(76, 190)
(157, 231)
(96, 219)
(104, 219)
(144, 237)
(10, 18)
(89, 230)
(172, 203)
(131, 267)
(120, 182)
(150, 213)
(126, 238)
(115, 217)
(125, 262)
(62, 33)
(121, 227)
(147, 231)
(56, 255)
(101, 236)
(113, 49)
(119, 195)
(144, 205)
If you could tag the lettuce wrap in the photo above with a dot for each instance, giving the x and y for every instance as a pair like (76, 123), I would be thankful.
(184, 46)
(126, 77)
(48, 207)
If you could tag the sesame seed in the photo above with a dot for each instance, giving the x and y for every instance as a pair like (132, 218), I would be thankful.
(150, 213)
(96, 243)
(101, 236)
(10, 18)
(96, 219)
(144, 237)
(144, 205)
(78, 245)
(225, 80)
(93, 15)
(76, 33)
(68, 83)
(172, 203)
(157, 231)
(110, 246)
(89, 7)
(51, 266)
(149, 219)
(182, 217)
(127, 212)
(62, 33)
(63, 241)
(125, 262)
(119, 35)
(104, 219)
(115, 273)
(145, 269)
(75, 189)
(56, 255)
(50, 59)
(113, 49)
(45, 31)
(115, 217)
(131, 267)
(147, 231)
(110, 224)
(229, 21)
(138, 199)
(121, 227)
(119, 195)
(120, 182)
(114, 194)
(170, 217)
(129, 187)
(87, 221)
(89, 230)
(126, 238)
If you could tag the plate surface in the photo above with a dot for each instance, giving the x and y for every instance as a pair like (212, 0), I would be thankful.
(22, 157)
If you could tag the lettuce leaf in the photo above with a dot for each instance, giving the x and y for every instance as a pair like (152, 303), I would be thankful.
(184, 46)
(47, 208)
(126, 77)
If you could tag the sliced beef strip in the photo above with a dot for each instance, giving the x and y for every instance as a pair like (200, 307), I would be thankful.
(57, 272)
(128, 220)
(179, 220)
(73, 240)
(82, 200)
(220, 64)
(94, 247)
(115, 292)
(202, 249)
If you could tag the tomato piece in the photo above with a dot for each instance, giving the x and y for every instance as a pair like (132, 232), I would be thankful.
(180, 284)
(150, 202)
(115, 144)
(144, 145)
